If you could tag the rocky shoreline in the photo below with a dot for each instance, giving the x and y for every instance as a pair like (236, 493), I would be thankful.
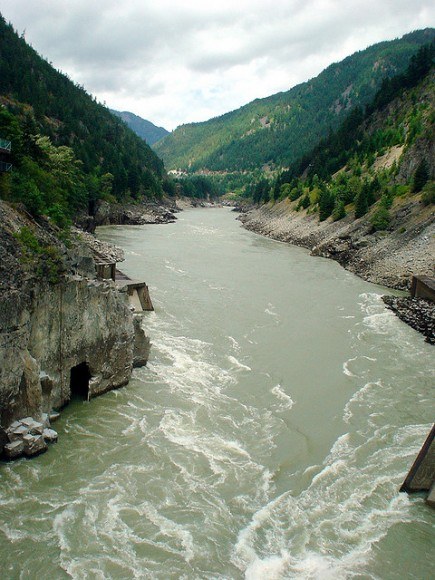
(388, 258)
(417, 312)
(128, 214)
(58, 320)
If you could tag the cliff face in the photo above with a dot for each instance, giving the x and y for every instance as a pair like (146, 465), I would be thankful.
(53, 322)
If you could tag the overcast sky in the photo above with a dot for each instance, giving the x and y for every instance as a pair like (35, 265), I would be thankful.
(174, 62)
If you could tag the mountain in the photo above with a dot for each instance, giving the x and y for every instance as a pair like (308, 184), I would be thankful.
(145, 129)
(275, 130)
(67, 149)
(384, 152)
(365, 194)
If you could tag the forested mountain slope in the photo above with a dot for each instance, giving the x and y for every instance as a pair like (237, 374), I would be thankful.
(384, 152)
(278, 129)
(67, 149)
(365, 194)
(145, 129)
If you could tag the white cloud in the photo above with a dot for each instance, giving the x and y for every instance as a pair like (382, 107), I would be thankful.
(175, 62)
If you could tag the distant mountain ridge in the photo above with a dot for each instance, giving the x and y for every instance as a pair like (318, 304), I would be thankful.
(143, 128)
(276, 130)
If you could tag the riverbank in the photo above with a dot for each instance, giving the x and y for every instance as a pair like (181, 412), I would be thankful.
(387, 258)
(149, 212)
(64, 331)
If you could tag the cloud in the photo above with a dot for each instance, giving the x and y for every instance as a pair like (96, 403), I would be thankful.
(173, 62)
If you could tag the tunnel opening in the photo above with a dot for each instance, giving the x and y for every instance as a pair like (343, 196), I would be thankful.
(79, 382)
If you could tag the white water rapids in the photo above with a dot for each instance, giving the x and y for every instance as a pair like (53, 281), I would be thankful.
(266, 439)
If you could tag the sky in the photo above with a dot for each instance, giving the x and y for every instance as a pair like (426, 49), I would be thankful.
(174, 62)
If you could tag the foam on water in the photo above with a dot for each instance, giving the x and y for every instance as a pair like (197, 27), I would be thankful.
(330, 529)
(170, 266)
(286, 401)
(234, 344)
(203, 467)
(237, 364)
(271, 310)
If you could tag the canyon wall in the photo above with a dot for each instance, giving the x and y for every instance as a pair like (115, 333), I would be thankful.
(49, 327)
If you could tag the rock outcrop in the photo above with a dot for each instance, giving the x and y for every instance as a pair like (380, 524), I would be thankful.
(145, 213)
(62, 330)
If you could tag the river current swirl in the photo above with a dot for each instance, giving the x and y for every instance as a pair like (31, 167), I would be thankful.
(266, 438)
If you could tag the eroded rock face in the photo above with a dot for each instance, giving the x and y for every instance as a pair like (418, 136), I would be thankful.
(61, 326)
(47, 329)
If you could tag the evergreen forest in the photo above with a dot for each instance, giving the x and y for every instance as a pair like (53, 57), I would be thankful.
(271, 133)
(361, 163)
(67, 150)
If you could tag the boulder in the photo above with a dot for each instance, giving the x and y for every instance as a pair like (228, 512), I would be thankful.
(53, 416)
(14, 449)
(50, 435)
(17, 433)
(34, 445)
(34, 427)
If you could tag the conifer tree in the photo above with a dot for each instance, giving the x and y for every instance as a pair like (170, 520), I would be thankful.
(421, 176)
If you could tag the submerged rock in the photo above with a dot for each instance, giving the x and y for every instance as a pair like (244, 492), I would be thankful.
(50, 435)
(34, 445)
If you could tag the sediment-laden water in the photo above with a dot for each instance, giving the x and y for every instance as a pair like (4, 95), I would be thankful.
(267, 437)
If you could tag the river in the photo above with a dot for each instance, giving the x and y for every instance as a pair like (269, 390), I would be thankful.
(266, 438)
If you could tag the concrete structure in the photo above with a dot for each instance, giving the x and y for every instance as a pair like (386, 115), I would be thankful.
(106, 270)
(138, 293)
(423, 287)
(421, 476)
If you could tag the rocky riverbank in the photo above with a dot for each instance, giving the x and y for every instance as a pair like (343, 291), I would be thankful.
(417, 312)
(129, 214)
(63, 331)
(388, 258)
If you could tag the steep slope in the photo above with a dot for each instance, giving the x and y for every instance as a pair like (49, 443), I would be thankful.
(365, 195)
(143, 128)
(56, 316)
(39, 101)
(280, 128)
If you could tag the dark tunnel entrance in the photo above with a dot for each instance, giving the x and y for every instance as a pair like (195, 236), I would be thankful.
(79, 381)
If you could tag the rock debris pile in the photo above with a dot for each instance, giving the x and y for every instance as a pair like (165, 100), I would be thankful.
(417, 312)
(29, 437)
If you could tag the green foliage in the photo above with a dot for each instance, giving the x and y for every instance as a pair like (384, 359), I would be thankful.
(339, 170)
(380, 220)
(326, 204)
(283, 127)
(352, 144)
(304, 202)
(428, 193)
(296, 192)
(339, 211)
(64, 143)
(195, 186)
(421, 176)
(44, 260)
(387, 198)
(143, 128)
(261, 191)
(361, 203)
